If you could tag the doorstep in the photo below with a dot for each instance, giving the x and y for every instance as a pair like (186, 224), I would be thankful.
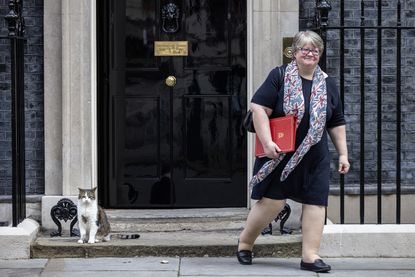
(174, 243)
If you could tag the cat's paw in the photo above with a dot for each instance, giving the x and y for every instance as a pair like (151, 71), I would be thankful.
(91, 241)
(80, 241)
(97, 240)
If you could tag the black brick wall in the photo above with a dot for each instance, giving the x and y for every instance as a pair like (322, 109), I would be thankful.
(353, 91)
(34, 125)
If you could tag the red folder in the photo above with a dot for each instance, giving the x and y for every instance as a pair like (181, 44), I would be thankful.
(283, 131)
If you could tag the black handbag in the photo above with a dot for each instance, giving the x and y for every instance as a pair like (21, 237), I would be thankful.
(248, 122)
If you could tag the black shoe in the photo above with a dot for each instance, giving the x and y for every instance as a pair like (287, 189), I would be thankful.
(244, 257)
(317, 266)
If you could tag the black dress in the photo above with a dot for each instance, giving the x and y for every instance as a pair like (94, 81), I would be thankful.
(308, 183)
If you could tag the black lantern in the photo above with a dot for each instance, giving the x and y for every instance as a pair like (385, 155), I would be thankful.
(323, 8)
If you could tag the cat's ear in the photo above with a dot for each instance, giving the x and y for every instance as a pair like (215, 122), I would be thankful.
(94, 188)
(79, 189)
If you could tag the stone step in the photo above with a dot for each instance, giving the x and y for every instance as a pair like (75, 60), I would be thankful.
(184, 232)
(173, 243)
(138, 226)
(177, 220)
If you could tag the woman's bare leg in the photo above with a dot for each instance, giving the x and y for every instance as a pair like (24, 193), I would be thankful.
(261, 214)
(312, 230)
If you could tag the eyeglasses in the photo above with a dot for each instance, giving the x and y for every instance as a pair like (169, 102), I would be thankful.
(306, 51)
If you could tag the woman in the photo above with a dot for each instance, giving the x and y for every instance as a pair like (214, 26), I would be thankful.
(302, 175)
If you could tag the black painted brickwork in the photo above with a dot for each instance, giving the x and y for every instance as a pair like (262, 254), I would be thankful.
(35, 180)
(352, 89)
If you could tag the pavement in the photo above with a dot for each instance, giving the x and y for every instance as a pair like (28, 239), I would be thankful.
(202, 266)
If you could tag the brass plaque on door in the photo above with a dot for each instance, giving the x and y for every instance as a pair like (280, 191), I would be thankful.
(287, 49)
(170, 48)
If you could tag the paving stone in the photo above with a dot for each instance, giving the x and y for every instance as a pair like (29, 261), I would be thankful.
(372, 263)
(230, 266)
(23, 272)
(114, 264)
(372, 273)
(110, 274)
(32, 263)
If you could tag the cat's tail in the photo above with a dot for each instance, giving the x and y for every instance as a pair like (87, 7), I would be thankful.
(129, 236)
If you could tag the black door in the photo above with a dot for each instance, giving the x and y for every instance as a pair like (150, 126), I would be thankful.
(179, 145)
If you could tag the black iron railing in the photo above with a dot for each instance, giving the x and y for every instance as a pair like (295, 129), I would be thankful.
(16, 30)
(322, 18)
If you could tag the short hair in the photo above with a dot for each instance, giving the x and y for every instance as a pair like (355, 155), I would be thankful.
(304, 37)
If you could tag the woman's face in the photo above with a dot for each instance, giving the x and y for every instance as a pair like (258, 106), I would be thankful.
(307, 56)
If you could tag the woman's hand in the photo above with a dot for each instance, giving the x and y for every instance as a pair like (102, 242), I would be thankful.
(344, 165)
(338, 136)
(261, 122)
(271, 150)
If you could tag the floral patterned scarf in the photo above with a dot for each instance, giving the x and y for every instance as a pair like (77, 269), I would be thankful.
(294, 104)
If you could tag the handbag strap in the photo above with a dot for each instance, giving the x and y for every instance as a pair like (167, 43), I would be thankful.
(281, 70)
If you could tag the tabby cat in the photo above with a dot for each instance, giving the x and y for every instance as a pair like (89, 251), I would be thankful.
(93, 222)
